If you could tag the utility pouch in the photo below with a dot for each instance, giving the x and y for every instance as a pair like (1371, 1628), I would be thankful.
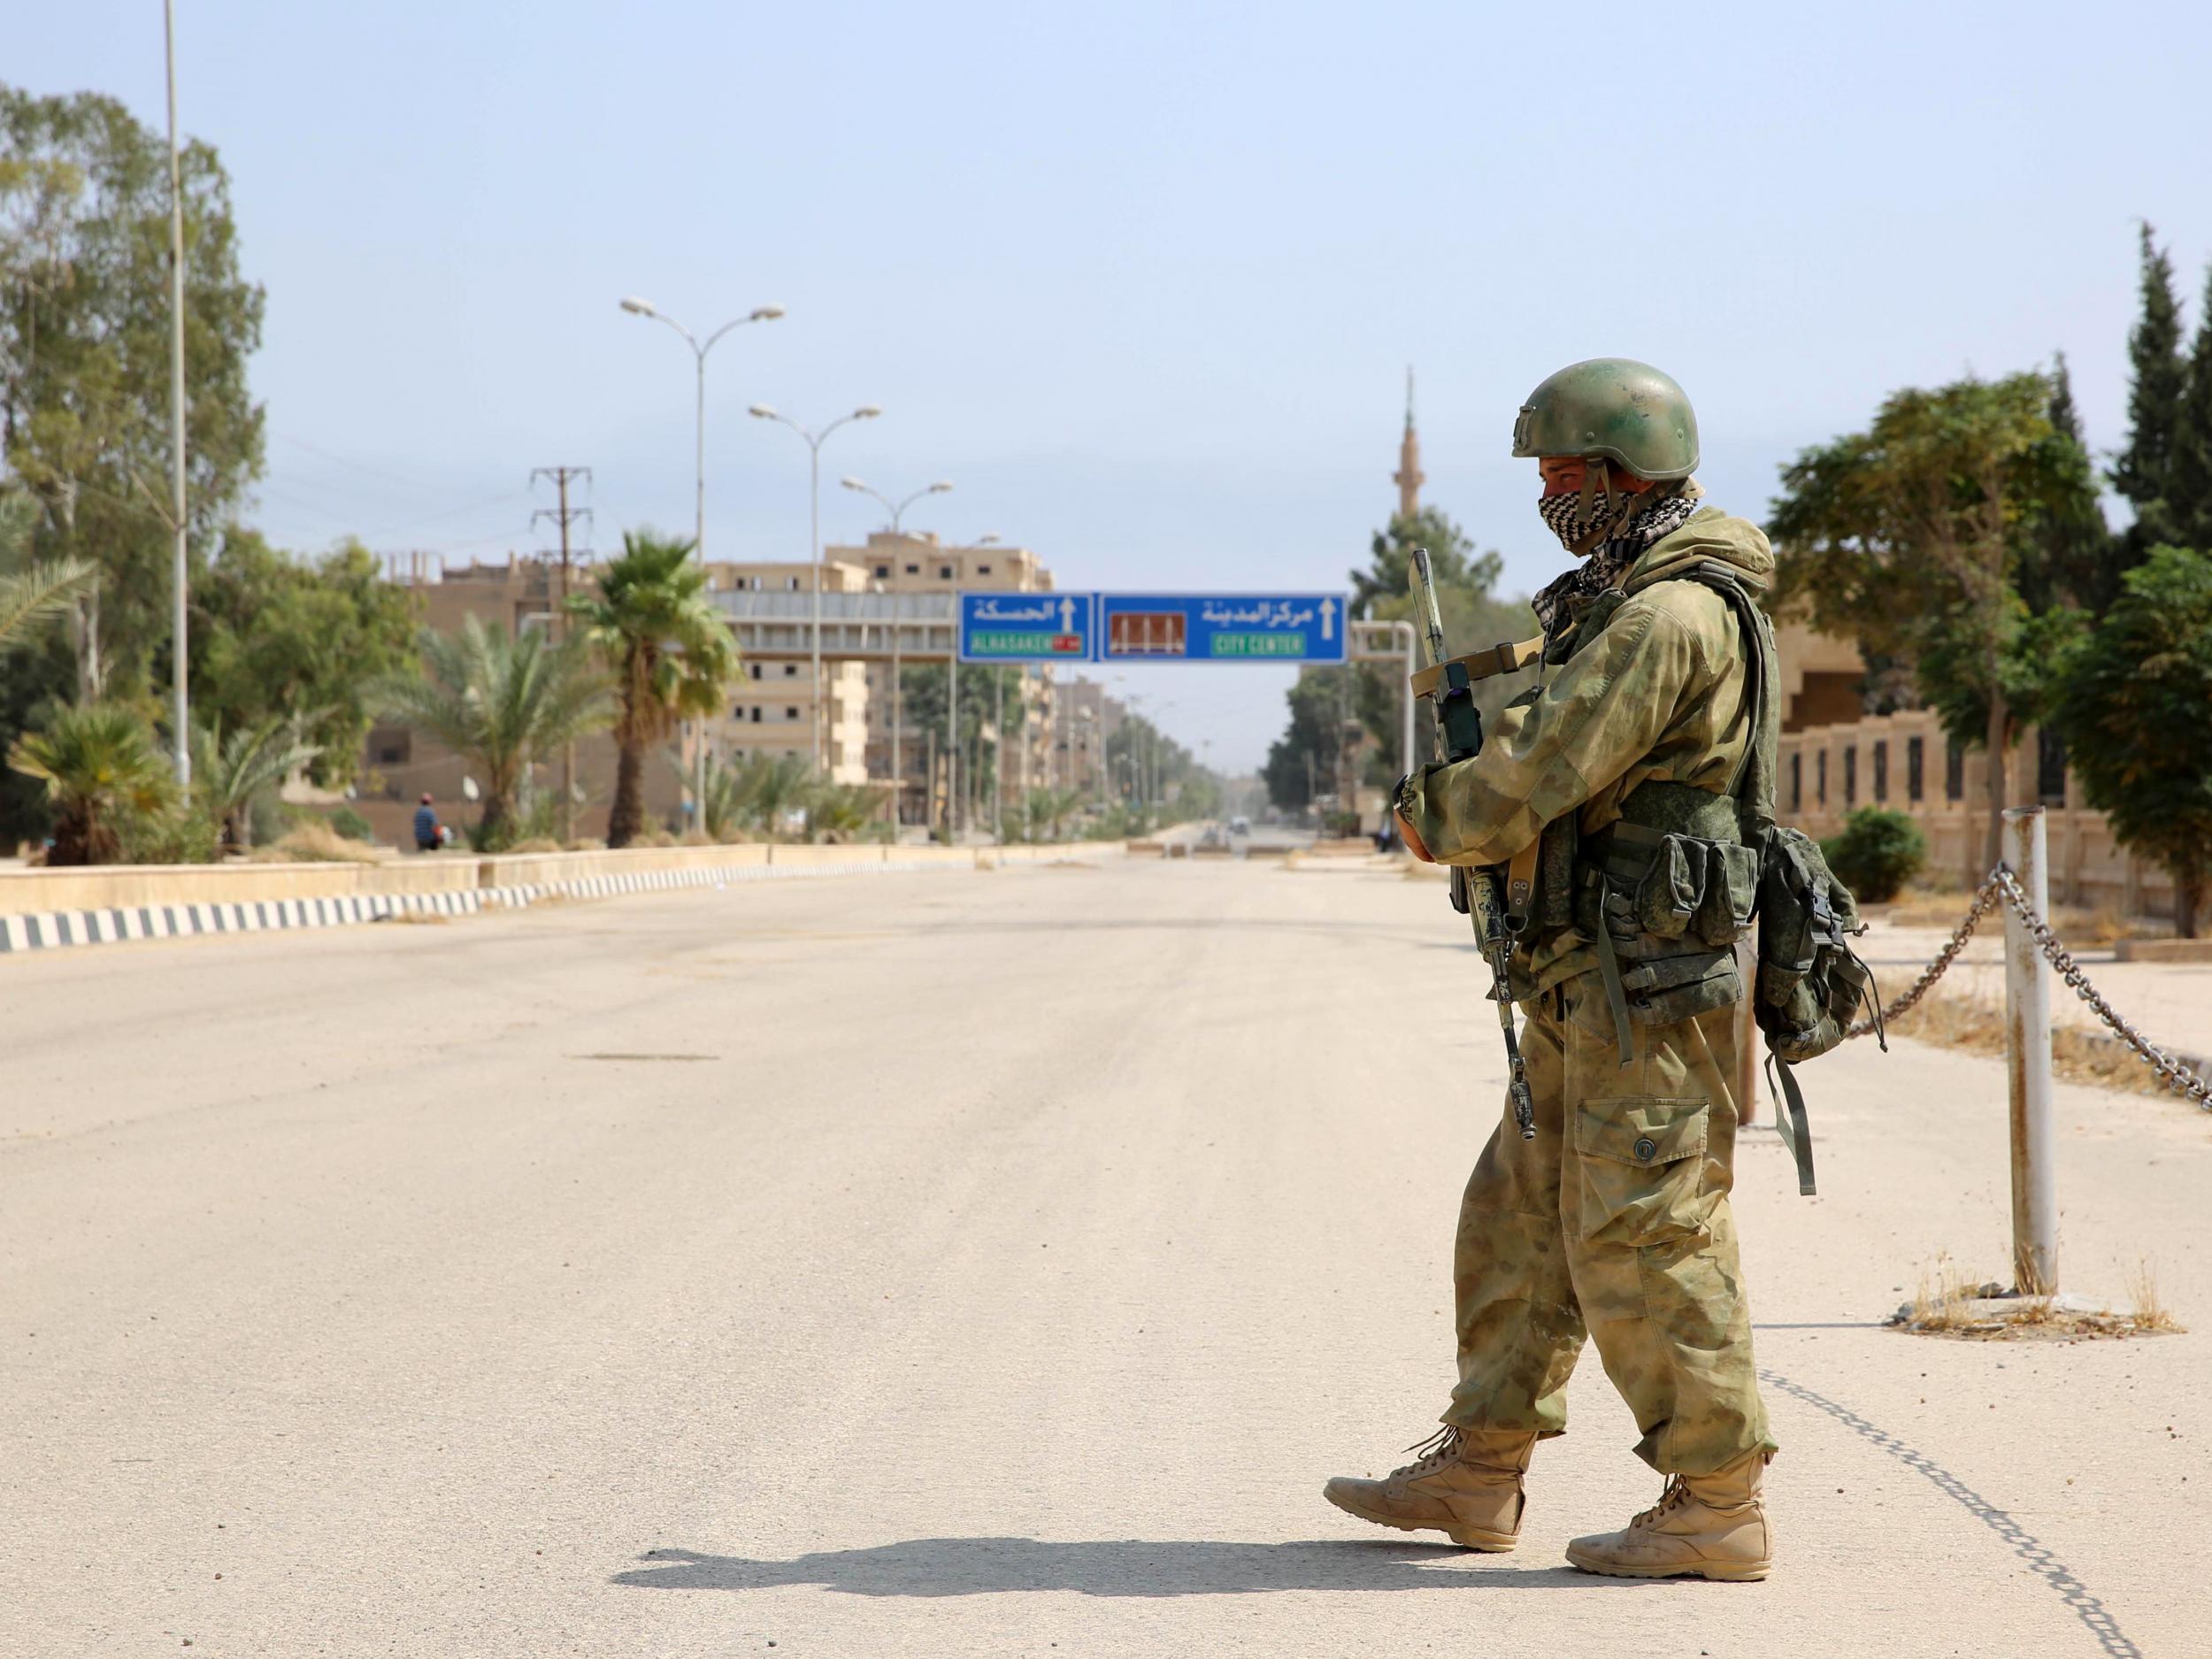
(1670, 988)
(1730, 895)
(1668, 896)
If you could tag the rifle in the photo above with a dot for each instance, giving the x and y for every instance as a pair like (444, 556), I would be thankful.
(1476, 894)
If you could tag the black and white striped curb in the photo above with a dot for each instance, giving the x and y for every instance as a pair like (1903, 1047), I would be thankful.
(51, 929)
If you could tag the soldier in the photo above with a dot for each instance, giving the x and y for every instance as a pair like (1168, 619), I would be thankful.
(1621, 784)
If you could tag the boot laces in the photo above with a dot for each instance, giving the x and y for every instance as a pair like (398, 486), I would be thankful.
(1440, 1449)
(1676, 1495)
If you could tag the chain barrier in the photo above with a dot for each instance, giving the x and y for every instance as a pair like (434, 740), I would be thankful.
(2002, 882)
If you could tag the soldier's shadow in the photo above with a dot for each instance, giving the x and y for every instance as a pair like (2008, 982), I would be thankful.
(988, 1566)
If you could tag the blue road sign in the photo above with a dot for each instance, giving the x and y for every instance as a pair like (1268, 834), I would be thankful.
(1025, 628)
(1221, 627)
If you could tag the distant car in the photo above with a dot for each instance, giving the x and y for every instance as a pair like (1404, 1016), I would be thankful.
(1239, 827)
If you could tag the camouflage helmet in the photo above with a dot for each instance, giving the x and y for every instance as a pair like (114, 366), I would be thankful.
(1627, 411)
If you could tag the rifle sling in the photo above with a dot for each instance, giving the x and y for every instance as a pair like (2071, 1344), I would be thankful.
(1509, 658)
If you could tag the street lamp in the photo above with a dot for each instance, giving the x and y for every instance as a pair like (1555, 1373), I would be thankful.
(637, 307)
(866, 412)
(896, 510)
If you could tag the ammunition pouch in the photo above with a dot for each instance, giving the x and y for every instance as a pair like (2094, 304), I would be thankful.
(1666, 908)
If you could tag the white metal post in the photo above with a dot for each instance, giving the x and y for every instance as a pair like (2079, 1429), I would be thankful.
(2028, 1065)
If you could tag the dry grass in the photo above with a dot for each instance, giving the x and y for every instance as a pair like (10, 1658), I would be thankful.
(536, 844)
(312, 841)
(2143, 1305)
(1946, 1302)
(1978, 1027)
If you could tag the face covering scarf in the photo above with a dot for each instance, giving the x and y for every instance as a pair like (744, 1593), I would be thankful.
(1611, 557)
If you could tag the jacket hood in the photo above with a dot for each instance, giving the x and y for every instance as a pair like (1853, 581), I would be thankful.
(1711, 534)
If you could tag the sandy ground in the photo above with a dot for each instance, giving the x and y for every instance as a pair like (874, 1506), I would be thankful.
(970, 1265)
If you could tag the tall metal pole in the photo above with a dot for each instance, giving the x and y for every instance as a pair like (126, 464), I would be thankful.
(2028, 1065)
(699, 349)
(814, 538)
(180, 648)
(898, 734)
(952, 737)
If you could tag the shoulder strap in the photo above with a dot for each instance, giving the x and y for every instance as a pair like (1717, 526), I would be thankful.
(1752, 785)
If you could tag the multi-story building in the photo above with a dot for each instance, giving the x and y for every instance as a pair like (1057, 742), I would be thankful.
(777, 709)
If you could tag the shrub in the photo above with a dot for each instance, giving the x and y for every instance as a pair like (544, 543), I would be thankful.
(351, 825)
(1878, 851)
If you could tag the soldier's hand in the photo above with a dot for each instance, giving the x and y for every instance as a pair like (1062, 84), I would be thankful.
(1414, 843)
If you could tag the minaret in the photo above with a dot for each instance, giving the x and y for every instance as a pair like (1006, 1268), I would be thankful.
(1408, 476)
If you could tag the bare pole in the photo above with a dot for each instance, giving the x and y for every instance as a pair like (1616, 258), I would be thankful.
(563, 515)
(181, 712)
(2028, 1065)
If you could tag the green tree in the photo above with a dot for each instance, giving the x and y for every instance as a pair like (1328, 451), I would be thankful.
(1910, 537)
(2071, 555)
(671, 655)
(103, 776)
(1453, 558)
(84, 361)
(2132, 706)
(2158, 379)
(2188, 495)
(1304, 762)
(501, 701)
(278, 638)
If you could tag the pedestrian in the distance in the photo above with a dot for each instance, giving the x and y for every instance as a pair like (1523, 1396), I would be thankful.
(427, 839)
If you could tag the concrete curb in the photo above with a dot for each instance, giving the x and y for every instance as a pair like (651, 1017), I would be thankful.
(52, 930)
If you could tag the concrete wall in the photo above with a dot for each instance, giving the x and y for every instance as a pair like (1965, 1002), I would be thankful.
(32, 891)
(2087, 866)
(29, 892)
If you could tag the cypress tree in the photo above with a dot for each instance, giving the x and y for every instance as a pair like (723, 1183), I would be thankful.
(2189, 469)
(2160, 379)
(2073, 557)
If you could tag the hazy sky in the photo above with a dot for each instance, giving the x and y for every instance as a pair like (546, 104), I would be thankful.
(1141, 279)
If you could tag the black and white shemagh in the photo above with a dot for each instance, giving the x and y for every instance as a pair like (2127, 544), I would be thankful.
(1613, 556)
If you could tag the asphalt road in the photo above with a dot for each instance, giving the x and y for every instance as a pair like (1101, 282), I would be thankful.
(970, 1265)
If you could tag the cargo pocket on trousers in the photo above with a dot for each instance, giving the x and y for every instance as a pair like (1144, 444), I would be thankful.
(1639, 1169)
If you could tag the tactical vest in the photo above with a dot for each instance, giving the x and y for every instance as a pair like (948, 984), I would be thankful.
(1665, 893)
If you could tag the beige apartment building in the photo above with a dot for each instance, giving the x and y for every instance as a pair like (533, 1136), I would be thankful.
(777, 709)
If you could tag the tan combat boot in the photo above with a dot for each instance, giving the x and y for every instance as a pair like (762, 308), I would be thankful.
(1467, 1483)
(1711, 1526)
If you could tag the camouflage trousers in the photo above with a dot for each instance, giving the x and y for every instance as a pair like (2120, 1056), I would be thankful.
(1615, 1221)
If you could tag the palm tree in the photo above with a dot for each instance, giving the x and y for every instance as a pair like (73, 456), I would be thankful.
(31, 594)
(228, 773)
(722, 803)
(671, 655)
(102, 772)
(843, 811)
(500, 701)
(769, 788)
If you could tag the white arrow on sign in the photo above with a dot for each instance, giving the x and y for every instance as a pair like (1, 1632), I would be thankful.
(1328, 618)
(1067, 616)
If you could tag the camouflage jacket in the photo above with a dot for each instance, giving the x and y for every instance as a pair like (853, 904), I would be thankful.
(1657, 691)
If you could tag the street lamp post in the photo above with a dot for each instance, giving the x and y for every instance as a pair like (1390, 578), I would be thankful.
(897, 510)
(637, 307)
(179, 643)
(866, 412)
